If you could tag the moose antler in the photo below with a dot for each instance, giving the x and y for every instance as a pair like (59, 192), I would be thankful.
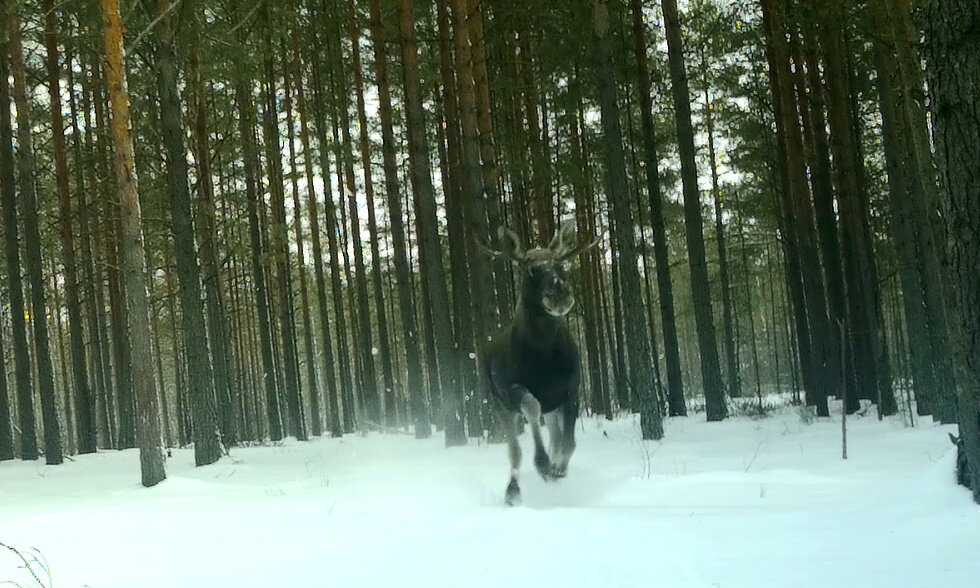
(580, 249)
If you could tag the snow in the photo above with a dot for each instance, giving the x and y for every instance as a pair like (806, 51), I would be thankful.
(745, 502)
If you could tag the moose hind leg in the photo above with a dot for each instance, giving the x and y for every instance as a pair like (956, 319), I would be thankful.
(532, 412)
(513, 494)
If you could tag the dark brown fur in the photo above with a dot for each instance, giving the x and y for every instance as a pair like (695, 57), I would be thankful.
(531, 367)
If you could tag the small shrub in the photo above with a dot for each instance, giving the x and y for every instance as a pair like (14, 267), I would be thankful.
(751, 408)
(807, 414)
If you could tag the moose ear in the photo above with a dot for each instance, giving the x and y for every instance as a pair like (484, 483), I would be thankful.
(564, 240)
(510, 244)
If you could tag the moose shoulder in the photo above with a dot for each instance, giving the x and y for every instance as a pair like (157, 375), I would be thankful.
(531, 367)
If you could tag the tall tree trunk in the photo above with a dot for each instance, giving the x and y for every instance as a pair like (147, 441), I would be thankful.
(434, 277)
(458, 245)
(309, 349)
(133, 258)
(860, 275)
(365, 337)
(799, 213)
(332, 406)
(901, 180)
(823, 190)
(714, 395)
(410, 336)
(938, 289)
(474, 207)
(726, 293)
(32, 243)
(87, 439)
(923, 267)
(66, 396)
(954, 82)
(246, 128)
(488, 153)
(336, 290)
(676, 405)
(6, 435)
(225, 390)
(279, 242)
(384, 341)
(585, 225)
(207, 441)
(15, 287)
(641, 381)
(94, 243)
(91, 289)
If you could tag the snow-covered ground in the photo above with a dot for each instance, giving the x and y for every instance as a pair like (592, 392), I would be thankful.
(756, 503)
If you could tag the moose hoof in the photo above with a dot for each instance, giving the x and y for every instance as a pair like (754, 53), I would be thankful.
(559, 471)
(513, 495)
(543, 464)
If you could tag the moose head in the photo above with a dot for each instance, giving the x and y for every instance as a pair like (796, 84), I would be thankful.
(545, 287)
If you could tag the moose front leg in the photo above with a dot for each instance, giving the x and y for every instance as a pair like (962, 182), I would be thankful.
(556, 441)
(509, 421)
(532, 412)
(568, 413)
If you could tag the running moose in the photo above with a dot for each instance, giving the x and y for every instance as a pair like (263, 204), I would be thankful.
(532, 365)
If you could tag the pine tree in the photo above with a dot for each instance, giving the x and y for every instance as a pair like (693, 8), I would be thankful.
(32, 242)
(131, 245)
(714, 396)
(640, 372)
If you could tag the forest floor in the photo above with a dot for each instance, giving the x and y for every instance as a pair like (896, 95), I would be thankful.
(747, 502)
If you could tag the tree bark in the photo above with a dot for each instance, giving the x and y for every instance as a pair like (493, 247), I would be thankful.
(6, 435)
(246, 128)
(954, 81)
(226, 391)
(207, 440)
(85, 426)
(714, 395)
(332, 406)
(434, 277)
(726, 294)
(32, 243)
(860, 275)
(309, 349)
(459, 245)
(336, 290)
(384, 341)
(676, 405)
(279, 245)
(641, 380)
(152, 458)
(15, 286)
(410, 335)
(799, 212)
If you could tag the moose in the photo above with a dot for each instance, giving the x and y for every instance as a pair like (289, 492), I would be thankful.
(531, 366)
